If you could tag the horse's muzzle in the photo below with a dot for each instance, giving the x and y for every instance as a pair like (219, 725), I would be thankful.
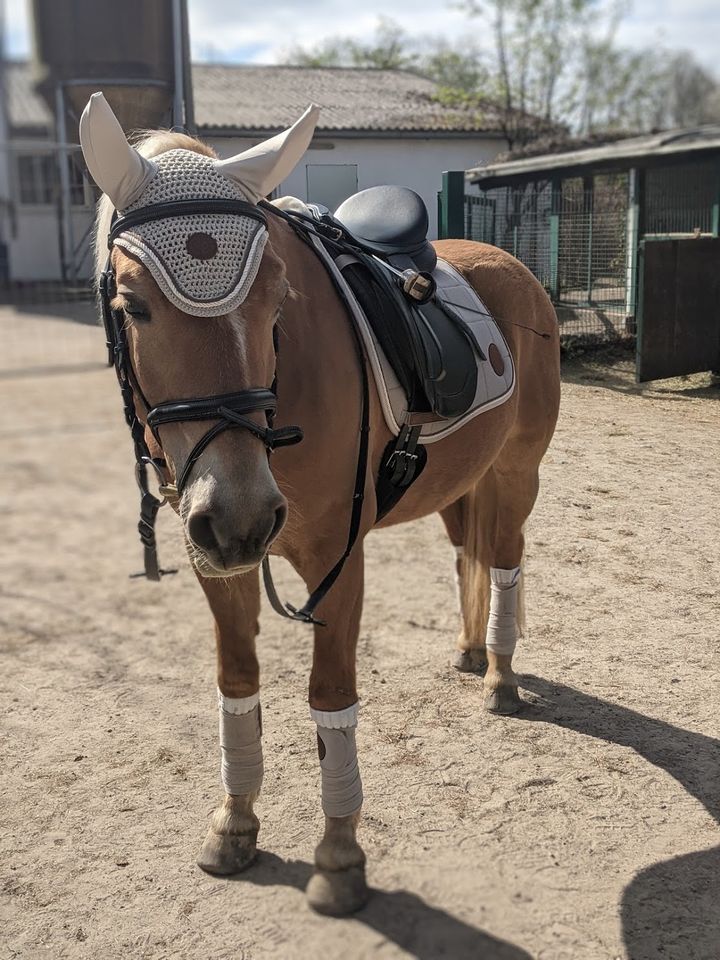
(231, 547)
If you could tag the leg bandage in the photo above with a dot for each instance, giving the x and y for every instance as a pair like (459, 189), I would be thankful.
(341, 785)
(241, 765)
(502, 630)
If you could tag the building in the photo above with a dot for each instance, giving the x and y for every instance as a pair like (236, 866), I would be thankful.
(376, 127)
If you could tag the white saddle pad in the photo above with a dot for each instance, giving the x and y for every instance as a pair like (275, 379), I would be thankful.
(496, 373)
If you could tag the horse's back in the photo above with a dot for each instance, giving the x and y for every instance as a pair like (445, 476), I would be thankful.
(526, 316)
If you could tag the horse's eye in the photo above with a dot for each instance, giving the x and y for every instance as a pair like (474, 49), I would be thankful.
(136, 313)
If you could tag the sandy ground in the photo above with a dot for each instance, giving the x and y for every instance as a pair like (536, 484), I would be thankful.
(586, 827)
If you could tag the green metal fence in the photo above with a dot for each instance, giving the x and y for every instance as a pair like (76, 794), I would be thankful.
(580, 235)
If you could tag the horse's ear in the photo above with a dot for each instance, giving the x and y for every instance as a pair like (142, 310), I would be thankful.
(260, 169)
(115, 166)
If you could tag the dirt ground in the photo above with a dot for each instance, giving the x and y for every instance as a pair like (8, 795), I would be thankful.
(585, 827)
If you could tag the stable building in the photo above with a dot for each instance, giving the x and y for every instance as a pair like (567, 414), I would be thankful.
(376, 127)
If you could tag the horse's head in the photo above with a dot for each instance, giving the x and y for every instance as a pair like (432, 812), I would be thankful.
(198, 291)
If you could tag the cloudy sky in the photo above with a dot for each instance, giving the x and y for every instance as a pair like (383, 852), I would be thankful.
(231, 31)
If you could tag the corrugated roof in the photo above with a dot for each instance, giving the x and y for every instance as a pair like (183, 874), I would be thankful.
(244, 99)
(257, 98)
(623, 153)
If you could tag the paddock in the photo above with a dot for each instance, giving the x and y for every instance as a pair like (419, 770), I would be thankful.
(585, 827)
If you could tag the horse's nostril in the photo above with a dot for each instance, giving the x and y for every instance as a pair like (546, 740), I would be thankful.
(201, 532)
(280, 517)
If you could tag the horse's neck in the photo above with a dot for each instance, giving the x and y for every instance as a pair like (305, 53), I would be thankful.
(317, 359)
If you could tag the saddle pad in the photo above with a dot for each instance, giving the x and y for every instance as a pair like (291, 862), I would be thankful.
(496, 371)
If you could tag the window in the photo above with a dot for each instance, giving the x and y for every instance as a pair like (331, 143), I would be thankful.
(331, 183)
(39, 181)
(37, 176)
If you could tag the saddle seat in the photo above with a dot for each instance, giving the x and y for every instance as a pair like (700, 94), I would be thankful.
(392, 222)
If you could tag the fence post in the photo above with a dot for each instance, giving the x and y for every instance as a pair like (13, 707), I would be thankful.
(635, 228)
(452, 205)
(555, 207)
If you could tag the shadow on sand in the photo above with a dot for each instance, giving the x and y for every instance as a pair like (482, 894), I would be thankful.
(423, 931)
(670, 910)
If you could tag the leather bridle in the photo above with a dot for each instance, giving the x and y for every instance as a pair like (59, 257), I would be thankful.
(228, 410)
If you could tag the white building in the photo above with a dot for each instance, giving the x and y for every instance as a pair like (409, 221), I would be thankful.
(376, 127)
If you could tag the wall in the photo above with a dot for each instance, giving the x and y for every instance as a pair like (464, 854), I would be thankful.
(410, 162)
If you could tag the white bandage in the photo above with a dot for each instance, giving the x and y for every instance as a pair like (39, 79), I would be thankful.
(502, 629)
(341, 785)
(241, 764)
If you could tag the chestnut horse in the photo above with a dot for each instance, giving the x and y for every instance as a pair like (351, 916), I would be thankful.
(239, 504)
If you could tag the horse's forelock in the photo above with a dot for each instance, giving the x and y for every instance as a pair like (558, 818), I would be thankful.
(148, 143)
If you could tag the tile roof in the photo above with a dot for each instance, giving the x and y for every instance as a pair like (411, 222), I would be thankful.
(259, 98)
(238, 98)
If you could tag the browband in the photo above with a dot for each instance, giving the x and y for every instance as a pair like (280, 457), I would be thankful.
(182, 208)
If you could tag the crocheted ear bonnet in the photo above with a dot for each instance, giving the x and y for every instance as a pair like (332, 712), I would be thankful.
(204, 263)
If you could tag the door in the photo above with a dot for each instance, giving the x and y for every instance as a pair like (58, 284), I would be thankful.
(678, 329)
(331, 183)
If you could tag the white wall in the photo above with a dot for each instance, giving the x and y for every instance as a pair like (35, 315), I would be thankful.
(411, 162)
(35, 242)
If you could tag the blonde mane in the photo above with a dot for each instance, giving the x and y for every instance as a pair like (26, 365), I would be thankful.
(148, 143)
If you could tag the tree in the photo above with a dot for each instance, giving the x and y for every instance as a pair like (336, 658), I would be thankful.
(390, 50)
(554, 65)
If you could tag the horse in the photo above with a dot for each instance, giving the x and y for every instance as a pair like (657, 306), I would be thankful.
(239, 505)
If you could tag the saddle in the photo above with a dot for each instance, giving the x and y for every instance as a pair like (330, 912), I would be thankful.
(425, 331)
(427, 343)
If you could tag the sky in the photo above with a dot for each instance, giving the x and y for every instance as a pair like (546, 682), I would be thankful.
(260, 32)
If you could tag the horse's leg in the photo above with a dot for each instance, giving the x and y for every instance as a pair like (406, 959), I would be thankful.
(494, 513)
(338, 885)
(470, 655)
(230, 844)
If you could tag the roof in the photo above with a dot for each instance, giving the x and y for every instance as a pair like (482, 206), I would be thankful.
(638, 151)
(260, 99)
(249, 100)
(26, 110)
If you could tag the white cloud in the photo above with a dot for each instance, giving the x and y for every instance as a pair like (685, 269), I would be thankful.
(263, 31)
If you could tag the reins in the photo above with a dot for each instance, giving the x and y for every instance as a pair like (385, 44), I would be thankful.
(229, 410)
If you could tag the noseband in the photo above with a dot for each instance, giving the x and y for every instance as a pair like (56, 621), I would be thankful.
(229, 410)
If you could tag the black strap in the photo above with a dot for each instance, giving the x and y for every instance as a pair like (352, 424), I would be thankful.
(209, 408)
(306, 613)
(182, 208)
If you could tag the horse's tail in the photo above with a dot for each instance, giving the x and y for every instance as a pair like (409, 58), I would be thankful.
(480, 511)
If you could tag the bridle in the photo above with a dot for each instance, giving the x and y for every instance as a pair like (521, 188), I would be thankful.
(229, 410)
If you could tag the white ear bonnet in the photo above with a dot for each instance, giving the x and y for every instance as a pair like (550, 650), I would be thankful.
(204, 263)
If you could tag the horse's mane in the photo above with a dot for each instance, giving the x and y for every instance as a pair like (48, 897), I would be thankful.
(148, 143)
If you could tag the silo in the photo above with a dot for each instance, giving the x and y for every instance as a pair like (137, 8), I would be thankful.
(135, 51)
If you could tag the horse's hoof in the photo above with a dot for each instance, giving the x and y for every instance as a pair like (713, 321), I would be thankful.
(471, 661)
(503, 700)
(223, 854)
(336, 893)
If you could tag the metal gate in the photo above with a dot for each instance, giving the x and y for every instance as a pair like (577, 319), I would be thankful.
(678, 330)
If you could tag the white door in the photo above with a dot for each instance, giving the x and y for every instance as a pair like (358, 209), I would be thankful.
(331, 183)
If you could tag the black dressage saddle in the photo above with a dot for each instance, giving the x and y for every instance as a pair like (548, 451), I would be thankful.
(428, 345)
(390, 220)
